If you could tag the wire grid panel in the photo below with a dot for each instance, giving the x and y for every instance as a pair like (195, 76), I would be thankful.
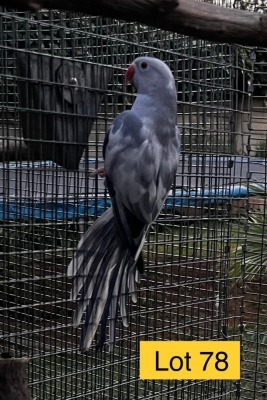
(186, 291)
(253, 266)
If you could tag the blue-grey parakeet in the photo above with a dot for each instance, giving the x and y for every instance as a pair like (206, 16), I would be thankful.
(141, 152)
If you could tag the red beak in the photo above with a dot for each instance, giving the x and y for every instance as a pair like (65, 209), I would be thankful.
(130, 73)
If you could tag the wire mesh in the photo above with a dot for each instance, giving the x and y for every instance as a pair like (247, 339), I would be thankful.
(195, 286)
(254, 254)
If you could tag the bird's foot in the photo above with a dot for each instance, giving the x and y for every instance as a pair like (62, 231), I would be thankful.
(97, 172)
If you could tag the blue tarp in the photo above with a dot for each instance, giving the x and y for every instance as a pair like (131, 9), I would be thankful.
(51, 210)
(70, 209)
(205, 197)
(28, 191)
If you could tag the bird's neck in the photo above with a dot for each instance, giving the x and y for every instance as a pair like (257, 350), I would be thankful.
(147, 104)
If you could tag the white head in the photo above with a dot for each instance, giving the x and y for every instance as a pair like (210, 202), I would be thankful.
(149, 74)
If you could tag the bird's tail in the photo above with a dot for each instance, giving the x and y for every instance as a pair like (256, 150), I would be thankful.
(104, 272)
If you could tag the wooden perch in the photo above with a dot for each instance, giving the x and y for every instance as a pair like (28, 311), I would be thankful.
(190, 17)
(13, 379)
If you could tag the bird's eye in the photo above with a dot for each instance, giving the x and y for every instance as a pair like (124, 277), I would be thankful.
(143, 65)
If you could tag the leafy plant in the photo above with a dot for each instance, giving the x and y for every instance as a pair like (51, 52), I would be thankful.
(251, 5)
(248, 58)
(251, 251)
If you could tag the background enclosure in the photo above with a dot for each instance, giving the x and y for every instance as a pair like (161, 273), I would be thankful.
(205, 256)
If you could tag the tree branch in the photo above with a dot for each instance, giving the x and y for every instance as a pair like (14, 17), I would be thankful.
(190, 17)
(13, 379)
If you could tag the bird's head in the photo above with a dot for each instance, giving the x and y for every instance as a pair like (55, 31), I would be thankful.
(148, 74)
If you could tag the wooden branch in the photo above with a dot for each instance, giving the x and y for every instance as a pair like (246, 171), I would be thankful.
(190, 17)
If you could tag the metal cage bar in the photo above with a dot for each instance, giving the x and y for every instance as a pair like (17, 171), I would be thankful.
(195, 286)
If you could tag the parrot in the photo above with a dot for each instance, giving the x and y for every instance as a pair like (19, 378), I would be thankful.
(141, 154)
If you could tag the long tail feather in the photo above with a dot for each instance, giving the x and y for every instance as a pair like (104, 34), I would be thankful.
(104, 272)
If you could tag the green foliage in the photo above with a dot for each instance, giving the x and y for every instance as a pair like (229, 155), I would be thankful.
(250, 60)
(251, 251)
(251, 5)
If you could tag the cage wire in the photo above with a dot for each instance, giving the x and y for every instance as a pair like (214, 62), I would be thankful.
(198, 283)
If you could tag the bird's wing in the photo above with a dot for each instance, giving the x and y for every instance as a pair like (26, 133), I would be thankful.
(130, 227)
(138, 168)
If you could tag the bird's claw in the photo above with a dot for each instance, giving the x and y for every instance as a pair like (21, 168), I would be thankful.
(97, 172)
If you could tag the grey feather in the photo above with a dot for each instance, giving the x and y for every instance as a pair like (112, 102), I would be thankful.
(141, 152)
